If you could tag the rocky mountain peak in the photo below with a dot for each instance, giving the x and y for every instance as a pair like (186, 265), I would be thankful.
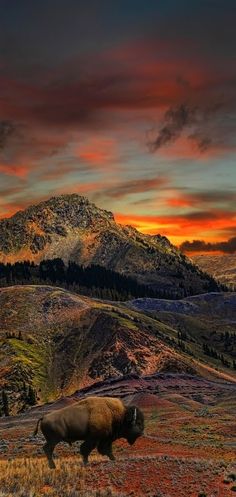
(66, 208)
(74, 229)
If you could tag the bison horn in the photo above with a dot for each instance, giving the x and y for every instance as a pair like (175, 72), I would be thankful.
(135, 415)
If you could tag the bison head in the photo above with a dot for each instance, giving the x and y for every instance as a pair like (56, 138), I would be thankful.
(133, 424)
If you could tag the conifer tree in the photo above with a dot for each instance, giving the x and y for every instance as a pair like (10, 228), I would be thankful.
(5, 403)
(31, 396)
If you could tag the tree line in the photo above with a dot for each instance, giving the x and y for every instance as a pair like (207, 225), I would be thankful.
(211, 352)
(94, 280)
(227, 338)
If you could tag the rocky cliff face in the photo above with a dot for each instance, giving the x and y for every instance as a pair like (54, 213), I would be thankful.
(71, 227)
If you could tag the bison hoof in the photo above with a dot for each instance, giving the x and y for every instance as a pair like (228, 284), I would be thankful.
(52, 465)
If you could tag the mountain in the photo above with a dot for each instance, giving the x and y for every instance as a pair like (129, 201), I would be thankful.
(222, 267)
(71, 228)
(53, 342)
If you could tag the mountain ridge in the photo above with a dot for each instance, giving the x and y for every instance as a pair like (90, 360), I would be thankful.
(72, 228)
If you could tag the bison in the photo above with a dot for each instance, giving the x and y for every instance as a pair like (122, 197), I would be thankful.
(98, 421)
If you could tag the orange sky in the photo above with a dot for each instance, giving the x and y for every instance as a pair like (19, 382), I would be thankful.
(137, 112)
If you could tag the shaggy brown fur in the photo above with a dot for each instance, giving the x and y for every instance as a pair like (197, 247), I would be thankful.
(96, 420)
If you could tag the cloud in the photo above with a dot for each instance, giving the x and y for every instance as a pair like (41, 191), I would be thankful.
(62, 100)
(175, 119)
(17, 170)
(230, 230)
(183, 118)
(228, 247)
(180, 226)
(131, 187)
(116, 89)
(203, 143)
(198, 199)
(26, 146)
(98, 152)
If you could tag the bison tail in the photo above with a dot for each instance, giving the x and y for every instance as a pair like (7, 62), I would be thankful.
(37, 427)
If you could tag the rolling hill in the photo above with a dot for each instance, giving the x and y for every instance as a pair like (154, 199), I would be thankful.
(56, 342)
(73, 229)
(217, 305)
(205, 324)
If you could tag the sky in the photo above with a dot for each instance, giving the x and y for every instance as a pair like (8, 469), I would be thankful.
(131, 103)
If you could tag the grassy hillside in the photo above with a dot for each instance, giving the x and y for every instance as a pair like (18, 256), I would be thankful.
(55, 342)
(204, 325)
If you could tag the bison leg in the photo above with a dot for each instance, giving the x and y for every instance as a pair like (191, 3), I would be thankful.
(105, 448)
(48, 450)
(86, 448)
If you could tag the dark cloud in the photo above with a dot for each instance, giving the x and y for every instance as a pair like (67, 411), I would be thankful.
(228, 247)
(98, 91)
(71, 68)
(203, 143)
(10, 191)
(133, 186)
(193, 119)
(230, 230)
(214, 196)
(198, 199)
(176, 119)
(201, 215)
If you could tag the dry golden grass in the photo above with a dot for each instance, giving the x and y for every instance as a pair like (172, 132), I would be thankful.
(28, 477)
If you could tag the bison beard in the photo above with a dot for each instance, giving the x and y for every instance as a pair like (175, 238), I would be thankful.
(98, 421)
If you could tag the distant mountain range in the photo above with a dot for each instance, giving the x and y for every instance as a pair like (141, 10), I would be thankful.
(73, 229)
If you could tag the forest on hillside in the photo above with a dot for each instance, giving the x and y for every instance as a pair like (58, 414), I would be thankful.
(94, 280)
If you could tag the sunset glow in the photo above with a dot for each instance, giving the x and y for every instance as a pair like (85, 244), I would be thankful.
(137, 117)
